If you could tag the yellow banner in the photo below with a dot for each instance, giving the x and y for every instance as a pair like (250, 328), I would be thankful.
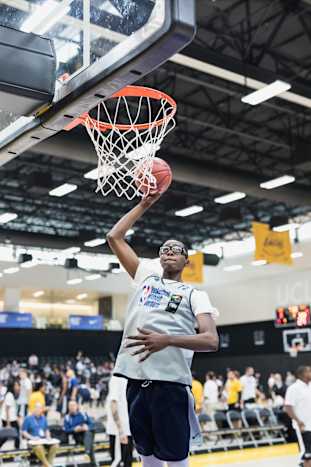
(194, 272)
(274, 247)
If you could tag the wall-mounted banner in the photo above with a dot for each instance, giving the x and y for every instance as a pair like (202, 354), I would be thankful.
(86, 323)
(194, 272)
(274, 247)
(15, 319)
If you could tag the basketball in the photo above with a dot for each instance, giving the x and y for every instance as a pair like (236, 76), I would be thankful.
(162, 173)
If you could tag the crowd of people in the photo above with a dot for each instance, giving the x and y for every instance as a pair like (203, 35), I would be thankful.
(29, 393)
(235, 391)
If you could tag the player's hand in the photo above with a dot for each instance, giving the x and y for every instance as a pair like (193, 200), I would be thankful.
(150, 199)
(150, 342)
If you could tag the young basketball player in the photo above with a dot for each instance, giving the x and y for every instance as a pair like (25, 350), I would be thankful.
(157, 347)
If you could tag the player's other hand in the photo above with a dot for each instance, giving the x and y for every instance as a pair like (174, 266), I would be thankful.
(149, 341)
(150, 199)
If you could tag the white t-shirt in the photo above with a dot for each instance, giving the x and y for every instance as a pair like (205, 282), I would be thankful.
(200, 301)
(211, 392)
(249, 385)
(298, 395)
(9, 401)
(117, 392)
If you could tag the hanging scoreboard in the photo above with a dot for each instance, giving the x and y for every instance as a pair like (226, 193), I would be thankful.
(293, 316)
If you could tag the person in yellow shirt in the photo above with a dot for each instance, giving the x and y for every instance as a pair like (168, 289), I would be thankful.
(37, 397)
(197, 391)
(233, 390)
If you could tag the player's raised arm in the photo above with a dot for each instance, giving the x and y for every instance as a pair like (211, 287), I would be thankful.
(116, 237)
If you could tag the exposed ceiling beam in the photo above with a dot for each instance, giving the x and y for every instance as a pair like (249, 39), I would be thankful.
(226, 74)
(187, 171)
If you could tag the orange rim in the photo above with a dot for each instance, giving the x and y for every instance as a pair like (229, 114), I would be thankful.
(128, 91)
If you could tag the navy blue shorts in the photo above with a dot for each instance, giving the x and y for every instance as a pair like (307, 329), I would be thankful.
(159, 419)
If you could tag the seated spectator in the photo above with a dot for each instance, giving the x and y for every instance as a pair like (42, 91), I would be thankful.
(35, 428)
(84, 393)
(37, 397)
(9, 415)
(80, 426)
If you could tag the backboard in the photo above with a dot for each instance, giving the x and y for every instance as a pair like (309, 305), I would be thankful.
(101, 46)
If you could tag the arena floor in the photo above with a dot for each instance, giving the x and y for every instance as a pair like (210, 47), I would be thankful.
(275, 456)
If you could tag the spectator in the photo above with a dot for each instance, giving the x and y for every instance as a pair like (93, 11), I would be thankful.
(80, 426)
(62, 401)
(84, 393)
(118, 427)
(249, 386)
(233, 390)
(33, 361)
(72, 385)
(37, 397)
(9, 410)
(210, 393)
(278, 390)
(25, 392)
(271, 381)
(290, 379)
(197, 391)
(298, 408)
(35, 428)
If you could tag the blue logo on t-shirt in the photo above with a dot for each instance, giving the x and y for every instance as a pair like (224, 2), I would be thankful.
(151, 296)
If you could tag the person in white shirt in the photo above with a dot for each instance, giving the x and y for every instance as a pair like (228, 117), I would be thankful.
(9, 410)
(33, 361)
(298, 408)
(210, 392)
(249, 386)
(24, 394)
(118, 425)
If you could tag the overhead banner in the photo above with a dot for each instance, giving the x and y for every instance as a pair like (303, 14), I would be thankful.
(274, 247)
(194, 272)
(15, 319)
(86, 323)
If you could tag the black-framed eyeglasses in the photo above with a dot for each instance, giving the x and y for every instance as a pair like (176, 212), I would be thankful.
(176, 249)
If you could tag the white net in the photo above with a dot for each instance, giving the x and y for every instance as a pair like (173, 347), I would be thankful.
(126, 149)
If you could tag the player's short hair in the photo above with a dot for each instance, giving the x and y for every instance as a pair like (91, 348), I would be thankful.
(301, 371)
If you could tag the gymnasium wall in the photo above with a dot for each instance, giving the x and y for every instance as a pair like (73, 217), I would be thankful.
(240, 352)
(255, 299)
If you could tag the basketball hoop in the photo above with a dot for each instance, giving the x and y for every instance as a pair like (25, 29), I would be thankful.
(127, 131)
